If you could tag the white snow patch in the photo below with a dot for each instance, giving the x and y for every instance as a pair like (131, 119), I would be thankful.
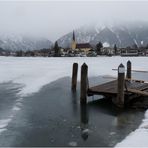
(106, 44)
(135, 41)
(138, 138)
(2, 130)
(19, 104)
(118, 37)
(86, 131)
(16, 108)
(4, 123)
(73, 143)
(112, 133)
(97, 29)
(19, 100)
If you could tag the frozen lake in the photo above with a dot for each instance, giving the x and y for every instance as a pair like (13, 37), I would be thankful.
(37, 107)
(53, 117)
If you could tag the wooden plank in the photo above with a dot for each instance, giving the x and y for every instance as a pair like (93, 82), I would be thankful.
(109, 87)
(109, 77)
(139, 92)
(136, 85)
(136, 80)
(143, 71)
(143, 87)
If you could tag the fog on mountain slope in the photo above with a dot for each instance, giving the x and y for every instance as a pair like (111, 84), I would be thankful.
(109, 35)
(20, 42)
(121, 35)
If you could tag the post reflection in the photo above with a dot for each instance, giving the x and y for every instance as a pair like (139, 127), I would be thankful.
(84, 122)
(74, 103)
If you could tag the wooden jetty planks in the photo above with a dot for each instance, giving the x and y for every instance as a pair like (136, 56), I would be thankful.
(111, 88)
(142, 71)
(117, 89)
(135, 80)
(139, 92)
(136, 85)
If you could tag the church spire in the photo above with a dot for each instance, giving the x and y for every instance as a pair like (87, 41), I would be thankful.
(73, 45)
(73, 35)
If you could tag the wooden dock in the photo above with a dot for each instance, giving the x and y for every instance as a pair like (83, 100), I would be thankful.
(110, 88)
(122, 90)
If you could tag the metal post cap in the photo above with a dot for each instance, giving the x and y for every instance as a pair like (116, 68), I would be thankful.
(121, 68)
(129, 61)
(121, 65)
(84, 65)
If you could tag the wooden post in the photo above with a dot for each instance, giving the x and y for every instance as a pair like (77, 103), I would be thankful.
(120, 86)
(84, 84)
(74, 76)
(129, 68)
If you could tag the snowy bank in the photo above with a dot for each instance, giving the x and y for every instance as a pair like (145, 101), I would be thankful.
(139, 137)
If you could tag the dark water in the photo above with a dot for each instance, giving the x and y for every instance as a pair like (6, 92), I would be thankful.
(54, 117)
(8, 96)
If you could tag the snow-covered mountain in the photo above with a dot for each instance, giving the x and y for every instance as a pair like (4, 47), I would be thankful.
(122, 35)
(20, 42)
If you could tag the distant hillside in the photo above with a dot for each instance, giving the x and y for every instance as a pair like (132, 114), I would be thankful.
(122, 35)
(17, 42)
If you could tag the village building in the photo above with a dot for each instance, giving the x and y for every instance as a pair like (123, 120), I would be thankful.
(81, 47)
(107, 51)
(129, 52)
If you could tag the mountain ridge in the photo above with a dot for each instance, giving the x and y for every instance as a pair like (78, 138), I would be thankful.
(121, 35)
(20, 42)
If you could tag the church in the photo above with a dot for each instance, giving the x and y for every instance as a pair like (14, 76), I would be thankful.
(84, 47)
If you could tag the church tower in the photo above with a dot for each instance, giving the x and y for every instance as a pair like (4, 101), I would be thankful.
(73, 44)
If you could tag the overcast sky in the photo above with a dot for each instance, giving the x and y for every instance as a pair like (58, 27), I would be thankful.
(53, 19)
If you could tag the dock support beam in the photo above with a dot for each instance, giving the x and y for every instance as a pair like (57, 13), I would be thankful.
(129, 68)
(120, 86)
(84, 84)
(74, 77)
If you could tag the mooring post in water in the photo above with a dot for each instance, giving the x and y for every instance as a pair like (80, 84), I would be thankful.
(84, 84)
(74, 76)
(129, 68)
(120, 86)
